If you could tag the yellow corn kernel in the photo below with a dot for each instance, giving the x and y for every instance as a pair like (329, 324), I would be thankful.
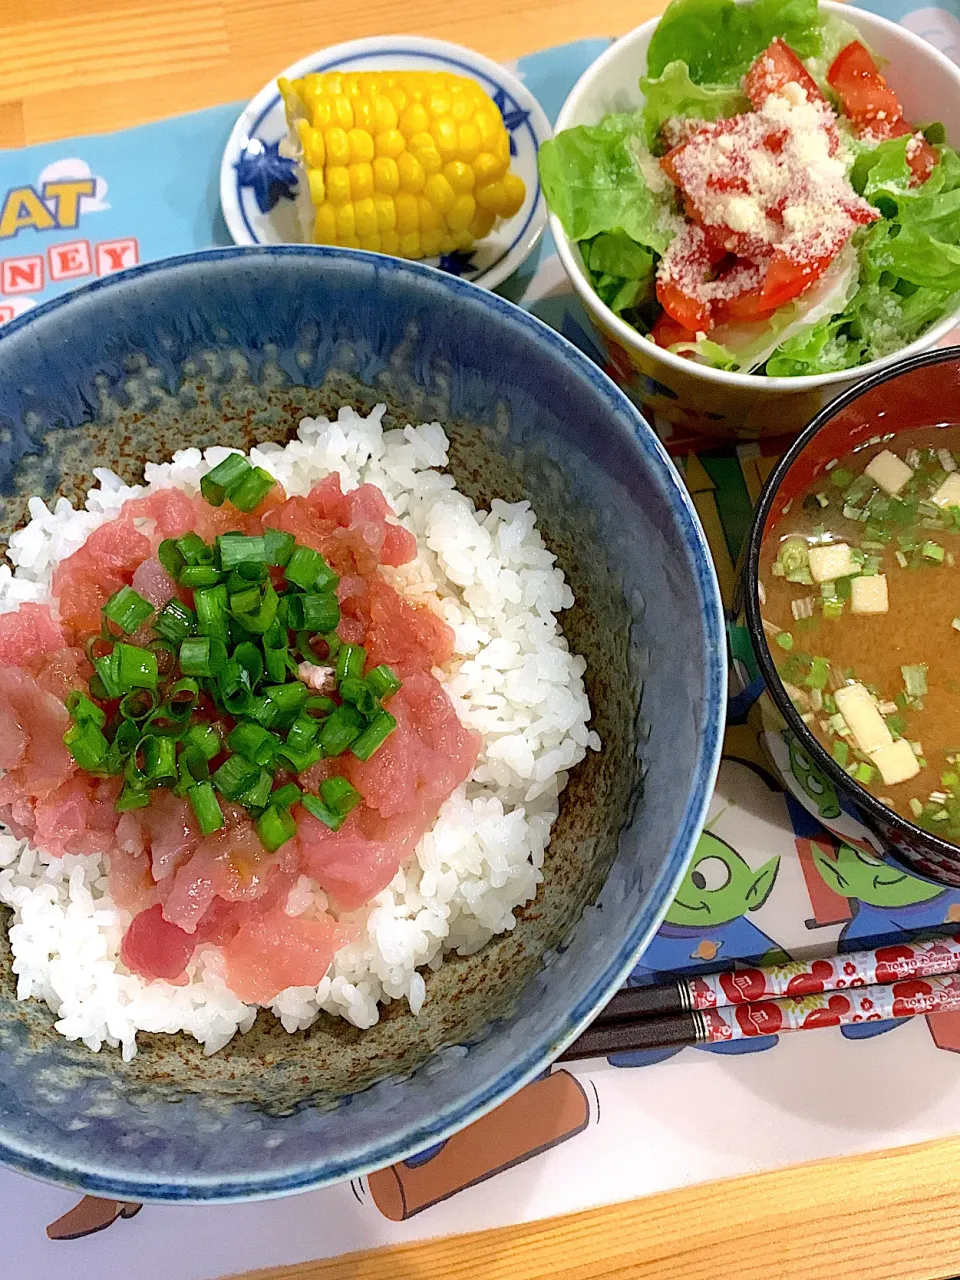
(338, 184)
(514, 193)
(439, 192)
(489, 127)
(390, 143)
(482, 223)
(486, 168)
(346, 222)
(502, 150)
(410, 245)
(439, 103)
(311, 140)
(460, 214)
(430, 217)
(424, 148)
(430, 243)
(407, 214)
(385, 114)
(348, 242)
(325, 225)
(320, 113)
(361, 145)
(365, 217)
(397, 97)
(444, 134)
(386, 213)
(338, 145)
(361, 181)
(412, 177)
(342, 111)
(461, 108)
(460, 176)
(370, 242)
(364, 116)
(413, 119)
(462, 240)
(386, 175)
(318, 189)
(447, 243)
(468, 141)
(389, 242)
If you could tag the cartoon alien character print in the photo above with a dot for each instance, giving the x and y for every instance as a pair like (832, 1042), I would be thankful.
(705, 927)
(888, 904)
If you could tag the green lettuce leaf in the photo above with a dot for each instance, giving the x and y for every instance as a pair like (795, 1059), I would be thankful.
(593, 183)
(820, 349)
(718, 39)
(675, 94)
(622, 271)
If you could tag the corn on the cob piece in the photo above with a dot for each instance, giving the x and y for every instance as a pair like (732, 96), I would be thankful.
(410, 163)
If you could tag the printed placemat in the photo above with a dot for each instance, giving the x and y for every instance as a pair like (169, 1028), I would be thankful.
(765, 878)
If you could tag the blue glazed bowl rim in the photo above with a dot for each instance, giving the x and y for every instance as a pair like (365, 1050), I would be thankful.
(408, 1140)
(824, 761)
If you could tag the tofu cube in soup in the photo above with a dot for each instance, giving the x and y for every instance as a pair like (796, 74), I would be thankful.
(948, 495)
(835, 560)
(863, 719)
(888, 471)
(869, 594)
(897, 762)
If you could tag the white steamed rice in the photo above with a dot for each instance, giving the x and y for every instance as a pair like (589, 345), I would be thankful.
(512, 678)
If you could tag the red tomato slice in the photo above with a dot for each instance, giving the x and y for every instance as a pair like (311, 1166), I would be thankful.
(666, 331)
(783, 281)
(864, 94)
(922, 158)
(687, 312)
(777, 66)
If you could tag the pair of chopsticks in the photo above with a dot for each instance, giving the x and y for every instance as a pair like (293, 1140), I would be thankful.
(901, 980)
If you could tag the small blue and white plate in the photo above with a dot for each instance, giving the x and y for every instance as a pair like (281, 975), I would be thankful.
(258, 185)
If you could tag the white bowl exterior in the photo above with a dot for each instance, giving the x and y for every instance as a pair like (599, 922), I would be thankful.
(691, 396)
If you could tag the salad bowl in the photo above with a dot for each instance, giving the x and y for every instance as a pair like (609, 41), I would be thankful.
(694, 396)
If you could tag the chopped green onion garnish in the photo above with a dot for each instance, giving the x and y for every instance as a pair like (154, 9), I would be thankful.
(193, 767)
(286, 796)
(254, 743)
(234, 776)
(159, 758)
(289, 699)
(245, 601)
(340, 728)
(320, 612)
(818, 675)
(170, 556)
(198, 575)
(81, 708)
(218, 482)
(207, 808)
(275, 650)
(319, 706)
(107, 669)
(239, 548)
(263, 710)
(87, 745)
(329, 816)
(275, 827)
(841, 752)
(303, 567)
(383, 681)
(136, 667)
(301, 760)
(211, 607)
(131, 798)
(128, 609)
(175, 621)
(339, 794)
(278, 546)
(265, 616)
(932, 551)
(352, 658)
(302, 732)
(373, 737)
(194, 550)
(182, 698)
(202, 656)
(864, 773)
(361, 695)
(252, 489)
(784, 639)
(915, 679)
(137, 704)
(257, 796)
(205, 738)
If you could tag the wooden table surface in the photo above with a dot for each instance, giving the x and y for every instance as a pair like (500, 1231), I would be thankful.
(70, 67)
